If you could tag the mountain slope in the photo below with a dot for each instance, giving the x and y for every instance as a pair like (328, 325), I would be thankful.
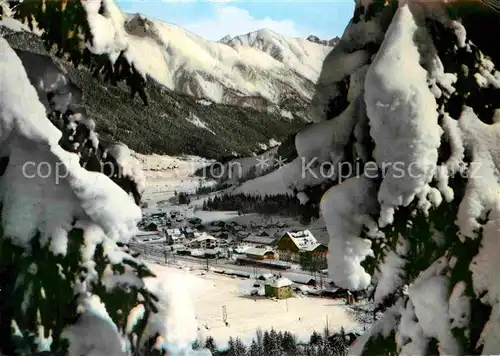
(261, 69)
(172, 123)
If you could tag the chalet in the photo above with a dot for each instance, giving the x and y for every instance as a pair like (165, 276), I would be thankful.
(255, 253)
(280, 288)
(293, 246)
(176, 240)
(204, 241)
(175, 236)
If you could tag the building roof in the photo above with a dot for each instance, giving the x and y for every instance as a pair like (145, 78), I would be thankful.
(256, 251)
(203, 237)
(159, 214)
(173, 232)
(265, 276)
(147, 233)
(304, 240)
(279, 282)
(264, 240)
(177, 237)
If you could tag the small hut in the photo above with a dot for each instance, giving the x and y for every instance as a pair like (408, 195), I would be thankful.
(279, 288)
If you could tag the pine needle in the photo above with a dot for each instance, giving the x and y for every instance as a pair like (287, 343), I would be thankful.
(492, 4)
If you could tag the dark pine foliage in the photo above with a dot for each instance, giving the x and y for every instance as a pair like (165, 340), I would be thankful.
(273, 343)
(283, 205)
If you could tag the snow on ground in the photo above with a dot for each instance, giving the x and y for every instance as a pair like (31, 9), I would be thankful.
(245, 314)
(258, 64)
(167, 174)
(178, 314)
(196, 121)
(317, 227)
(239, 169)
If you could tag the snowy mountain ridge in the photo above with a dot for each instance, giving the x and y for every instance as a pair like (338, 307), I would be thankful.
(182, 123)
(261, 69)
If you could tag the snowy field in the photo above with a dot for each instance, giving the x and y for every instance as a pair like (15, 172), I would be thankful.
(167, 174)
(245, 315)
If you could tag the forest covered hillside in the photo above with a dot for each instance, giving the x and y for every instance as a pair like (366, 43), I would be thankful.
(404, 147)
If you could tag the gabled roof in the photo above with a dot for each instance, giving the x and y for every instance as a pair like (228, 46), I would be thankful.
(279, 282)
(304, 240)
(147, 233)
(203, 237)
(257, 251)
(264, 240)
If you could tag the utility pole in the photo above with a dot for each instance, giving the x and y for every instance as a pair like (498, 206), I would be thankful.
(165, 251)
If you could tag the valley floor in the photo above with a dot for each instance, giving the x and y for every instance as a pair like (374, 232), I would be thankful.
(211, 293)
(245, 314)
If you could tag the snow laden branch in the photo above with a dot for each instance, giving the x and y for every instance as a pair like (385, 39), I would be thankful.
(413, 103)
(66, 284)
(89, 33)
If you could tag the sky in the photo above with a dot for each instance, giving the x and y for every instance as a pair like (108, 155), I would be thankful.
(218, 18)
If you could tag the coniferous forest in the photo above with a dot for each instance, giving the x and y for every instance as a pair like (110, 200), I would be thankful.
(273, 343)
(283, 205)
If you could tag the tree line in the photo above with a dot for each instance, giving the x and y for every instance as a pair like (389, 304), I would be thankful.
(245, 203)
(281, 204)
(284, 344)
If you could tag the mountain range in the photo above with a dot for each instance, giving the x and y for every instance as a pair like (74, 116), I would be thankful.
(261, 69)
(234, 97)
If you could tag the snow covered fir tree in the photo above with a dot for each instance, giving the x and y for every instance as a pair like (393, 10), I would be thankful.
(69, 203)
(410, 97)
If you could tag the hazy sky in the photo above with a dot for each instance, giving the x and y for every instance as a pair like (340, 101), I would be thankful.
(215, 19)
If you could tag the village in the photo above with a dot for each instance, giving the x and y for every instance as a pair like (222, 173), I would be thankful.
(242, 270)
(281, 260)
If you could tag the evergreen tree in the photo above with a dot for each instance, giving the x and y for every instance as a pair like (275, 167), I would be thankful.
(315, 339)
(239, 348)
(210, 345)
(289, 343)
(67, 284)
(67, 30)
(254, 349)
